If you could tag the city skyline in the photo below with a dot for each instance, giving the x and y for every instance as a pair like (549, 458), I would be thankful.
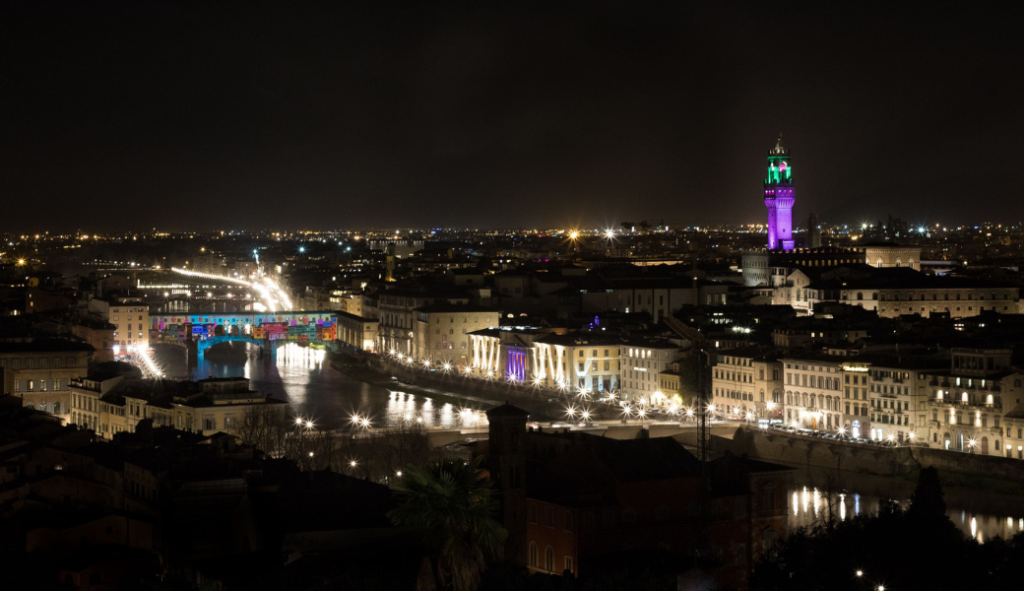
(546, 117)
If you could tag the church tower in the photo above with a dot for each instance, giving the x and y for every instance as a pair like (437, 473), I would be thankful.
(778, 198)
(507, 464)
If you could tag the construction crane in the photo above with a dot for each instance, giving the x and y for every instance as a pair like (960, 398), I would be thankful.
(703, 350)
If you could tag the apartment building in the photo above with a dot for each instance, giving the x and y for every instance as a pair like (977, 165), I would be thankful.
(814, 390)
(643, 360)
(442, 332)
(130, 317)
(398, 316)
(975, 406)
(748, 383)
(110, 406)
(39, 371)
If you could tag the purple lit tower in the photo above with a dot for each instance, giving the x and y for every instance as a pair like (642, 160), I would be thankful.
(778, 198)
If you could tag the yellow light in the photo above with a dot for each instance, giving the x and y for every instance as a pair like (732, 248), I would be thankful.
(574, 235)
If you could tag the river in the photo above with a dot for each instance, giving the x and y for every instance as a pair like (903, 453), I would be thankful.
(982, 515)
(317, 392)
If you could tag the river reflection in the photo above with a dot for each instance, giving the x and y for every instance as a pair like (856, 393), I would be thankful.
(980, 515)
(303, 377)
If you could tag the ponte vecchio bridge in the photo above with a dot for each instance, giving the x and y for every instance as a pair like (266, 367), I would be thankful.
(258, 328)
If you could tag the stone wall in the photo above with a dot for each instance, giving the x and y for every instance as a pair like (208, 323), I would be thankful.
(800, 450)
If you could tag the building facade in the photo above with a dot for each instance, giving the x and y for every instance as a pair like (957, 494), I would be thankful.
(442, 332)
(42, 370)
(814, 389)
(642, 364)
(579, 363)
(130, 317)
(747, 384)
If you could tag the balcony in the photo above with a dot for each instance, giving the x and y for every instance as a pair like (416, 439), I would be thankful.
(970, 404)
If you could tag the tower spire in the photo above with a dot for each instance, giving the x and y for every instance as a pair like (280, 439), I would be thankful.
(778, 146)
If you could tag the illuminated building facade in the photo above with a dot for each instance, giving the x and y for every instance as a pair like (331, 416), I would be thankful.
(442, 333)
(779, 199)
(814, 388)
(642, 364)
(587, 364)
(747, 384)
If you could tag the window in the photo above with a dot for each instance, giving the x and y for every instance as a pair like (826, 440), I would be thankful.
(568, 563)
(533, 554)
(531, 513)
(549, 559)
(549, 516)
(768, 496)
(568, 520)
(769, 539)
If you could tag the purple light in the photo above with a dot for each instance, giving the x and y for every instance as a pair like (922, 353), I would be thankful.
(516, 366)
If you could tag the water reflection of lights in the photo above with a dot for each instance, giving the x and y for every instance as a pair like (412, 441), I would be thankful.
(294, 355)
(809, 503)
(402, 407)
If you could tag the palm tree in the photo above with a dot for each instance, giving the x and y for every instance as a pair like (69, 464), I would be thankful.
(452, 502)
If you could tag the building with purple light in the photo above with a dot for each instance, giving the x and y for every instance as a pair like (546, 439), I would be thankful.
(778, 198)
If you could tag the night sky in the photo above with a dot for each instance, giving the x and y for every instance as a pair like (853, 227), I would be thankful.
(135, 115)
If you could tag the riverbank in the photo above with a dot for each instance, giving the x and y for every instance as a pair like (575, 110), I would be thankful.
(542, 406)
(978, 484)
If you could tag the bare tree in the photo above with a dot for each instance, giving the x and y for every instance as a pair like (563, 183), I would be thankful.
(263, 427)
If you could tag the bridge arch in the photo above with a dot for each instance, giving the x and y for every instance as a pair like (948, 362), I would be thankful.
(203, 344)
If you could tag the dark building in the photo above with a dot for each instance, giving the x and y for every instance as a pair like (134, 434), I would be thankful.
(588, 502)
(507, 463)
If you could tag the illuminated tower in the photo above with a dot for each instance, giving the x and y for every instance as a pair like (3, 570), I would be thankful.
(778, 198)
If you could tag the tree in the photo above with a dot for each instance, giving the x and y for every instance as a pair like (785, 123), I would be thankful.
(262, 427)
(451, 500)
(887, 550)
(927, 502)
